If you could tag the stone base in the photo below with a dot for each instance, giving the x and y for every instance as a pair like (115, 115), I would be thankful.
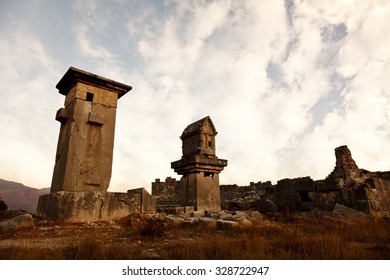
(84, 207)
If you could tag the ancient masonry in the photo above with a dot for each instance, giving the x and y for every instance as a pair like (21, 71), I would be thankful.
(359, 189)
(199, 167)
(83, 164)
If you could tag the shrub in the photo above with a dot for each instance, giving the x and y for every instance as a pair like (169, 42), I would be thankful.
(3, 206)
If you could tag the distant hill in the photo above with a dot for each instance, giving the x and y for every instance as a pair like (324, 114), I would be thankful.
(19, 196)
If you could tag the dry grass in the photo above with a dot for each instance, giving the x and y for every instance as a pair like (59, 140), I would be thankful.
(299, 238)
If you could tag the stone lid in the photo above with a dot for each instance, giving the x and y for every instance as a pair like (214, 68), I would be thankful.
(74, 75)
(196, 127)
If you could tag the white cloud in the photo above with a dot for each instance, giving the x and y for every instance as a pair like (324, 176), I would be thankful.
(284, 83)
(28, 108)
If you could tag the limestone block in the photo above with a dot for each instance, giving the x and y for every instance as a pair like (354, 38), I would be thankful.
(266, 205)
(148, 201)
(62, 115)
(245, 223)
(208, 222)
(222, 224)
(95, 118)
(227, 217)
(346, 213)
(80, 207)
(21, 222)
(70, 97)
(256, 216)
(189, 209)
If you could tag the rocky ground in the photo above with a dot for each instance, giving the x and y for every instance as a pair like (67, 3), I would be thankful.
(227, 235)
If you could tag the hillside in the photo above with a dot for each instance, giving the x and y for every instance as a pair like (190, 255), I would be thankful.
(19, 196)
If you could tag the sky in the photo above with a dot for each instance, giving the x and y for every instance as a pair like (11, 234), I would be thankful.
(285, 83)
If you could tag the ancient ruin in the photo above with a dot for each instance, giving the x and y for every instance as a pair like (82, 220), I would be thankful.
(200, 167)
(83, 164)
(347, 185)
(86, 140)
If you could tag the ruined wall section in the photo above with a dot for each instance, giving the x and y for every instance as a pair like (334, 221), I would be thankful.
(167, 193)
(234, 197)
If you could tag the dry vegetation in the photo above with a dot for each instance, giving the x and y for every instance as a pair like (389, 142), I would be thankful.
(300, 237)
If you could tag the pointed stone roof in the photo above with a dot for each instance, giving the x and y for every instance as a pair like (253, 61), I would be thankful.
(197, 126)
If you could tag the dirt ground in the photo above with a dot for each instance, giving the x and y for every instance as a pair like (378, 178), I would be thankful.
(146, 237)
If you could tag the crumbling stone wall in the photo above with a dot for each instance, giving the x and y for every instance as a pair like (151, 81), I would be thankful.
(348, 185)
(167, 193)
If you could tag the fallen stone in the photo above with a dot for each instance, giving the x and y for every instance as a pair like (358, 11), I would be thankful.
(227, 217)
(241, 214)
(190, 223)
(266, 205)
(245, 223)
(189, 209)
(208, 222)
(198, 214)
(179, 210)
(222, 224)
(21, 222)
(170, 220)
(256, 216)
(345, 213)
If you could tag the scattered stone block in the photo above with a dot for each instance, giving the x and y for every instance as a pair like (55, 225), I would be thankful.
(179, 210)
(245, 223)
(222, 224)
(198, 214)
(227, 217)
(189, 209)
(266, 205)
(208, 222)
(256, 216)
(21, 222)
(346, 213)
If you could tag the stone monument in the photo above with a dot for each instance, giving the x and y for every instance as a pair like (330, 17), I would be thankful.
(83, 162)
(200, 167)
(86, 140)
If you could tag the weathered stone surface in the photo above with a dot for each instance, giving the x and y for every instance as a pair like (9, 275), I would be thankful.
(208, 222)
(346, 167)
(79, 207)
(21, 222)
(167, 193)
(362, 190)
(346, 213)
(222, 224)
(245, 223)
(85, 144)
(174, 221)
(256, 216)
(148, 205)
(227, 217)
(200, 167)
(266, 205)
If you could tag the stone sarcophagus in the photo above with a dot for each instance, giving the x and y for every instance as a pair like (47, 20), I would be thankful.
(200, 167)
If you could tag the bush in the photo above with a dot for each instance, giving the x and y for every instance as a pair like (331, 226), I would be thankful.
(3, 206)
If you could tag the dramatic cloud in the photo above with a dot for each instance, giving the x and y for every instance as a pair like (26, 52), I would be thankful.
(285, 82)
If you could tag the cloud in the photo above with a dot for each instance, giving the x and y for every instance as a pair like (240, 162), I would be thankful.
(27, 78)
(285, 82)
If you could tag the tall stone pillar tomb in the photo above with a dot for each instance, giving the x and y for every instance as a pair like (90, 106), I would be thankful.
(83, 163)
(86, 141)
(200, 167)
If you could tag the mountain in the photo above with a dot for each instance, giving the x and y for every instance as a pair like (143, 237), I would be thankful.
(19, 196)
